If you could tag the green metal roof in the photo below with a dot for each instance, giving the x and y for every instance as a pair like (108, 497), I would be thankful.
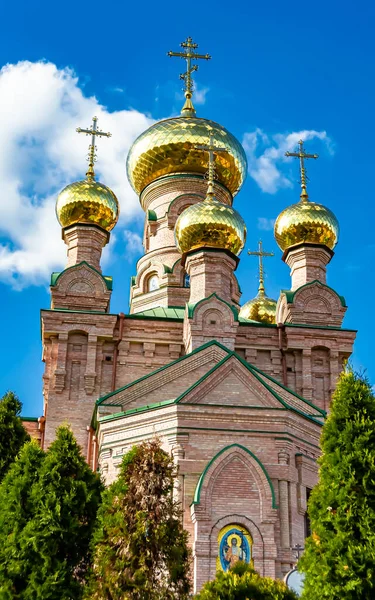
(160, 312)
(290, 294)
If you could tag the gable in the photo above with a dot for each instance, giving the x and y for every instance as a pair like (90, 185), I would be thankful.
(230, 384)
(169, 382)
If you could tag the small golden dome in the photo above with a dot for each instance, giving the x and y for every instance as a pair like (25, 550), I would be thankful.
(87, 201)
(210, 224)
(167, 147)
(306, 222)
(261, 309)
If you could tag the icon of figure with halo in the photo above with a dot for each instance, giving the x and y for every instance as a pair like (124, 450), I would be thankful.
(234, 552)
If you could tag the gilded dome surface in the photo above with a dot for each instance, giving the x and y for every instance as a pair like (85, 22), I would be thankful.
(306, 222)
(210, 224)
(87, 201)
(167, 147)
(261, 309)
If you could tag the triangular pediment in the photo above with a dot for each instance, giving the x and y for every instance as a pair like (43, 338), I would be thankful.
(230, 384)
(211, 374)
(169, 382)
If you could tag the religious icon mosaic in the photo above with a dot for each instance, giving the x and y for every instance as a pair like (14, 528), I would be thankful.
(235, 543)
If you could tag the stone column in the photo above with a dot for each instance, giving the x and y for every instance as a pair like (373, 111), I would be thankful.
(334, 369)
(85, 243)
(283, 457)
(60, 371)
(307, 263)
(307, 388)
(210, 272)
(90, 373)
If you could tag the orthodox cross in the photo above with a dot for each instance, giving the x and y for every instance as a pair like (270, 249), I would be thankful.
(189, 55)
(297, 549)
(260, 253)
(301, 154)
(94, 131)
(211, 149)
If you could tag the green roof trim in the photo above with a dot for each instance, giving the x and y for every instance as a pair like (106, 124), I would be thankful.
(290, 294)
(151, 215)
(132, 411)
(328, 327)
(133, 280)
(57, 274)
(160, 369)
(29, 419)
(198, 489)
(167, 269)
(193, 306)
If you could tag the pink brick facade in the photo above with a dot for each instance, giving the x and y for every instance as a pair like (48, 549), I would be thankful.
(239, 404)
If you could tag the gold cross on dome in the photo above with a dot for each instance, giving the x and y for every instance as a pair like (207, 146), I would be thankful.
(189, 55)
(301, 154)
(94, 131)
(260, 252)
(211, 149)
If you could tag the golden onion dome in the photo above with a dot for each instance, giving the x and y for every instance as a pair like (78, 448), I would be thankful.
(169, 147)
(87, 201)
(261, 309)
(306, 222)
(210, 224)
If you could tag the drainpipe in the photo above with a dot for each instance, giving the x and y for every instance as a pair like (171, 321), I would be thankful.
(281, 329)
(121, 316)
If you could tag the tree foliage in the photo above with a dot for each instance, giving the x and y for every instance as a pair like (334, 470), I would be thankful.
(243, 583)
(140, 547)
(48, 556)
(16, 510)
(12, 433)
(339, 560)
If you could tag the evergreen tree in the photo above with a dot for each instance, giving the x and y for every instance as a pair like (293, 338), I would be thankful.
(16, 510)
(140, 547)
(12, 433)
(52, 547)
(339, 559)
(243, 583)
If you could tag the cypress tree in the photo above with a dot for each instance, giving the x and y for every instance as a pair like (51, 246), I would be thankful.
(243, 583)
(16, 510)
(339, 560)
(12, 433)
(140, 547)
(56, 539)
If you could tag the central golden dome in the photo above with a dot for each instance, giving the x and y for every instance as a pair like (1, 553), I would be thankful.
(210, 224)
(306, 222)
(87, 201)
(261, 309)
(168, 147)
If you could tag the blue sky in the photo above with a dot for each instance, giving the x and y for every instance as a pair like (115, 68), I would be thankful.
(277, 69)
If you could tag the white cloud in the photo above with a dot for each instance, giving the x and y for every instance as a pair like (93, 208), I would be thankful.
(40, 108)
(134, 244)
(265, 224)
(266, 156)
(200, 94)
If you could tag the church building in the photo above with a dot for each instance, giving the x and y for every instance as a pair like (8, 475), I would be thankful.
(237, 392)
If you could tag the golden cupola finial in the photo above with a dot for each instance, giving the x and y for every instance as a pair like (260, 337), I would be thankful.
(94, 131)
(261, 308)
(210, 224)
(305, 222)
(302, 155)
(88, 202)
(189, 55)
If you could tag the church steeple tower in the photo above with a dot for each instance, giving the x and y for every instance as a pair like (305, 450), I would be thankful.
(307, 232)
(87, 211)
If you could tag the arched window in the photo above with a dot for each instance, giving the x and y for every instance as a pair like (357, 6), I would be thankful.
(235, 543)
(186, 280)
(153, 283)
